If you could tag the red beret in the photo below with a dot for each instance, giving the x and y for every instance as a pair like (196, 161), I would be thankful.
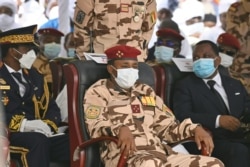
(122, 52)
(50, 31)
(167, 32)
(229, 40)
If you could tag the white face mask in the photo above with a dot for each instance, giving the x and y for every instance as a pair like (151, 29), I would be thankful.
(226, 60)
(193, 28)
(6, 21)
(27, 59)
(126, 77)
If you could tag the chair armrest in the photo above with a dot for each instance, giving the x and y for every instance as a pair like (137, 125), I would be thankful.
(122, 160)
(190, 139)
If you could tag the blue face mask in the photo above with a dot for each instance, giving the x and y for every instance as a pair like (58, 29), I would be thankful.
(163, 54)
(204, 67)
(71, 52)
(52, 50)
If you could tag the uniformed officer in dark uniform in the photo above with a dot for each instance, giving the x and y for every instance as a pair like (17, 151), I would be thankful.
(31, 114)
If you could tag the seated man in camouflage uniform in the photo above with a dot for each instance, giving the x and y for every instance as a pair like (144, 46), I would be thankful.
(130, 110)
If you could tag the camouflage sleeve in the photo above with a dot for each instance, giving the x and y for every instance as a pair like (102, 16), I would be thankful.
(96, 114)
(236, 23)
(83, 23)
(149, 22)
(231, 20)
(167, 127)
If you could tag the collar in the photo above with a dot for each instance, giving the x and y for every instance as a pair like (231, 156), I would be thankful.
(11, 70)
(216, 78)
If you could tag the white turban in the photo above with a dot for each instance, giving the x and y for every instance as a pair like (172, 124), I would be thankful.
(9, 3)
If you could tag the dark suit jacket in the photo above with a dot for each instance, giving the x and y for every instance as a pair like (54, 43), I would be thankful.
(193, 99)
(20, 107)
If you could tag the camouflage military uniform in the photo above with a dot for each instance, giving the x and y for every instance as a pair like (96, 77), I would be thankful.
(240, 70)
(101, 25)
(107, 108)
(238, 24)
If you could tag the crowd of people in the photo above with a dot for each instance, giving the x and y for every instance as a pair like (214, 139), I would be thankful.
(214, 98)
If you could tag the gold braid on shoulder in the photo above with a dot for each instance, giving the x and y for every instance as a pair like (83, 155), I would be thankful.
(43, 103)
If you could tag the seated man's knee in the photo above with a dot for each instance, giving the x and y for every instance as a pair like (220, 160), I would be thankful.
(40, 139)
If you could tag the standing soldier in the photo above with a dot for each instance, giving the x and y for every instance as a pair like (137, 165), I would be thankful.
(99, 25)
(238, 24)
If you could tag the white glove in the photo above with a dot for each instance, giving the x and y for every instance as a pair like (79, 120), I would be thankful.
(37, 126)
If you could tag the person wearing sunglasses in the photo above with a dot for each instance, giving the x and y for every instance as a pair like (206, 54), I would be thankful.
(168, 44)
(228, 46)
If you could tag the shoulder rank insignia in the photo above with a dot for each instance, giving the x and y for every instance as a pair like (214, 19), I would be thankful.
(92, 112)
(147, 100)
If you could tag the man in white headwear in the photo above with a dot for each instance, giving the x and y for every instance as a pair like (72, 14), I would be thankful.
(213, 33)
(190, 20)
(8, 9)
(32, 13)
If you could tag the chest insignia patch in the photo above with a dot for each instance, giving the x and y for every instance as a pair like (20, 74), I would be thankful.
(92, 112)
(135, 108)
(147, 100)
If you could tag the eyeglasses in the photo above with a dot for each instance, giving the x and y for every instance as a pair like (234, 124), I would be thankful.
(228, 52)
(168, 43)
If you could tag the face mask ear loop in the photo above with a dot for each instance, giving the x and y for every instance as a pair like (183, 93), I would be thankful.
(114, 69)
(214, 62)
(17, 52)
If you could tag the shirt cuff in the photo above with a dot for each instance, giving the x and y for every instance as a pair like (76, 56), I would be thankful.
(217, 122)
(23, 125)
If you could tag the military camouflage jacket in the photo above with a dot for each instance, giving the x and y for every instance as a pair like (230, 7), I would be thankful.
(107, 108)
(100, 25)
(238, 24)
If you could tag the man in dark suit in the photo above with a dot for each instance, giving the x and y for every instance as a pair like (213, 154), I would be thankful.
(31, 114)
(217, 102)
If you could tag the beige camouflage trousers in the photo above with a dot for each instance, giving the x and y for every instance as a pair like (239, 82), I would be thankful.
(174, 160)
